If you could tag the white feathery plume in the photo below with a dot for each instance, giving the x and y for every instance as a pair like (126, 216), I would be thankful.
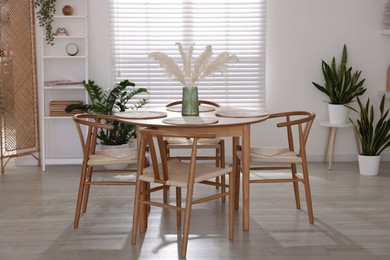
(201, 62)
(170, 66)
(189, 60)
(203, 67)
(218, 64)
(184, 59)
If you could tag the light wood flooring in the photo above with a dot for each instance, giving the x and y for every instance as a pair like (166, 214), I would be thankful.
(352, 220)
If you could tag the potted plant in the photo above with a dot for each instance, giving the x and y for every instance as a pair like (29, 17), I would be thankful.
(108, 102)
(341, 86)
(45, 12)
(374, 135)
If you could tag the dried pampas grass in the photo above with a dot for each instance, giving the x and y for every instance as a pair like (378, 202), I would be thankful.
(204, 65)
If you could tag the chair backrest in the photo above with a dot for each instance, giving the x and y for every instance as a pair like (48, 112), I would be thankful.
(302, 120)
(148, 140)
(201, 102)
(93, 122)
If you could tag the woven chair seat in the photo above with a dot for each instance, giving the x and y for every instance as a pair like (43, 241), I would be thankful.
(178, 173)
(188, 141)
(114, 156)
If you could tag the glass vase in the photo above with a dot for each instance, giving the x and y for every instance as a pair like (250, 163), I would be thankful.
(190, 103)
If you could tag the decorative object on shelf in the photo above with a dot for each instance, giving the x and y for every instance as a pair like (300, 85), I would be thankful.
(374, 134)
(72, 49)
(67, 10)
(203, 66)
(341, 86)
(45, 10)
(61, 32)
(108, 102)
(57, 108)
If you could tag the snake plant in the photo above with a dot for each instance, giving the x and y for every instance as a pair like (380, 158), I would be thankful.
(341, 85)
(374, 134)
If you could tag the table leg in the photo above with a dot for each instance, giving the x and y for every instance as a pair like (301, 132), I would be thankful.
(236, 168)
(333, 138)
(245, 175)
(327, 146)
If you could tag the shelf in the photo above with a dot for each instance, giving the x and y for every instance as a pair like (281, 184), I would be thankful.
(70, 37)
(57, 117)
(70, 16)
(65, 87)
(64, 57)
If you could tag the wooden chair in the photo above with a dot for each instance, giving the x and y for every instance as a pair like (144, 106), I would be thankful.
(298, 125)
(92, 157)
(217, 144)
(179, 174)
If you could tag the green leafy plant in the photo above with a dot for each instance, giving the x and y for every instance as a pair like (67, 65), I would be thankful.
(108, 102)
(45, 12)
(341, 86)
(374, 135)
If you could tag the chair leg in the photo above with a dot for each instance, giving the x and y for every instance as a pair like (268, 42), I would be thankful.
(166, 194)
(187, 219)
(136, 212)
(80, 196)
(178, 204)
(308, 193)
(87, 189)
(296, 185)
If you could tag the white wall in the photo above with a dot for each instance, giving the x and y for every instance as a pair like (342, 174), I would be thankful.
(299, 34)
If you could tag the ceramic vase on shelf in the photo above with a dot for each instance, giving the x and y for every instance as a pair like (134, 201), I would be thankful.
(338, 114)
(67, 10)
(190, 102)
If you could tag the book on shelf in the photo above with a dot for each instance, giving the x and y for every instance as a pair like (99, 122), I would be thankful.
(53, 83)
(57, 108)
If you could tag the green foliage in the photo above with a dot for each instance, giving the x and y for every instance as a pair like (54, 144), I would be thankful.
(374, 137)
(45, 13)
(108, 102)
(341, 86)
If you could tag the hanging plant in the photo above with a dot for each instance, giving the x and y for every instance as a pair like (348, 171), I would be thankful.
(45, 14)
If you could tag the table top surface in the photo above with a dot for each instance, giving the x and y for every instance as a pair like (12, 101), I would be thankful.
(175, 119)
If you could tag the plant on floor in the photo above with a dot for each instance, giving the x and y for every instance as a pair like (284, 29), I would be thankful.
(45, 10)
(374, 134)
(341, 86)
(108, 102)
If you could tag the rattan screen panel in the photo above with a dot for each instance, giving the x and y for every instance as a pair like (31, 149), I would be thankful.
(18, 84)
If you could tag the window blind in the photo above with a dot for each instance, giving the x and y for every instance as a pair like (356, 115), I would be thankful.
(139, 27)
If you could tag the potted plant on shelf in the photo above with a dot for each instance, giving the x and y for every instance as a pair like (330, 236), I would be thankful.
(341, 86)
(45, 10)
(374, 135)
(108, 102)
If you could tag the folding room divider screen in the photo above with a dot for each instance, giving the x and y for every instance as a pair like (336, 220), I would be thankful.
(18, 81)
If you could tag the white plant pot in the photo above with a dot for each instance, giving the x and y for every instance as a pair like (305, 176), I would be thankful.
(338, 114)
(116, 166)
(369, 165)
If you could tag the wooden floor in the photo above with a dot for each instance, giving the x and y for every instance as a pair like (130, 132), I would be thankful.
(352, 220)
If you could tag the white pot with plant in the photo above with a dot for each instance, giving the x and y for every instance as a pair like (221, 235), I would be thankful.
(341, 86)
(374, 135)
(108, 102)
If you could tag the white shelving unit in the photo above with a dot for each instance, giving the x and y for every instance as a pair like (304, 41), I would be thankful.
(59, 140)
